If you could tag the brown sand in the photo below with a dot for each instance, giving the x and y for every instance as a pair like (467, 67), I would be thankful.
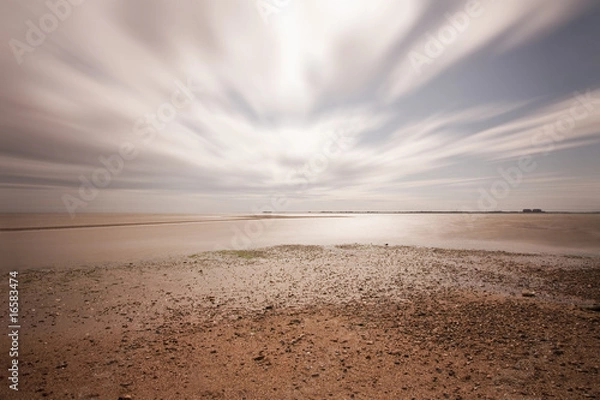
(310, 322)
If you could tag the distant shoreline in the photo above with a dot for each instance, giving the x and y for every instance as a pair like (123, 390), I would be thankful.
(448, 212)
(241, 214)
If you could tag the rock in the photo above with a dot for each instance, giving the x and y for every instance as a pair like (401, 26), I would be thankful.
(527, 293)
(125, 397)
(593, 307)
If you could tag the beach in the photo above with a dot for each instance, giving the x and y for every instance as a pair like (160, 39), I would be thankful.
(360, 321)
(300, 200)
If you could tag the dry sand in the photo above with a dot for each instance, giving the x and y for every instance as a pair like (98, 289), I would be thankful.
(311, 322)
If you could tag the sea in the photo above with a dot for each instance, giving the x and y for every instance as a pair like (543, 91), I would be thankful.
(33, 241)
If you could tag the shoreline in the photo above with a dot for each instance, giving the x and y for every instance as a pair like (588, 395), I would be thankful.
(347, 321)
(60, 221)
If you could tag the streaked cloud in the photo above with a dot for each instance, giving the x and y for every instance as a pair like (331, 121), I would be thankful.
(268, 101)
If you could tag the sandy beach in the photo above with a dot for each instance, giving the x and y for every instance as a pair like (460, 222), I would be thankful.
(313, 322)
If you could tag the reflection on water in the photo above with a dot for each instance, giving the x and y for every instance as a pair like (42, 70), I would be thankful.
(154, 236)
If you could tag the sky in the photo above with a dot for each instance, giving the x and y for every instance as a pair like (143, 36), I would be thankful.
(222, 106)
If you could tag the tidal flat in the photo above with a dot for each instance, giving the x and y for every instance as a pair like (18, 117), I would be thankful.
(310, 322)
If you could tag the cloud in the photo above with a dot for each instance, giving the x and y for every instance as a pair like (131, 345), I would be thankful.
(458, 32)
(269, 98)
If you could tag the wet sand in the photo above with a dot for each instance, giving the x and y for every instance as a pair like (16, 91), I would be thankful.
(139, 238)
(33, 222)
(313, 322)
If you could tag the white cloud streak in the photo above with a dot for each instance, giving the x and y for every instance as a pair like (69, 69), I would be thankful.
(267, 97)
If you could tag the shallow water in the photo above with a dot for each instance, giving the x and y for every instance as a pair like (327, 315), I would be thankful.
(55, 240)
